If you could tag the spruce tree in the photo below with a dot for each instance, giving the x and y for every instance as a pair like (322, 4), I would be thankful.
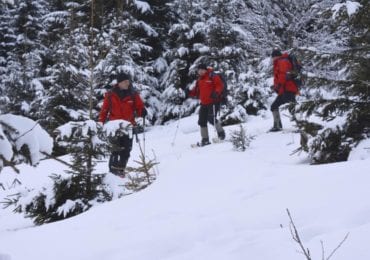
(81, 187)
(335, 114)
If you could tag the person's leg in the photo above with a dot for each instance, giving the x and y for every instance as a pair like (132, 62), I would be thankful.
(126, 144)
(277, 125)
(113, 161)
(202, 122)
(212, 119)
(280, 100)
(120, 155)
(115, 153)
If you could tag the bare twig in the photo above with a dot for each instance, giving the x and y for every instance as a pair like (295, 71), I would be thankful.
(27, 131)
(296, 238)
(339, 245)
(306, 251)
(15, 183)
(57, 159)
(9, 163)
(322, 250)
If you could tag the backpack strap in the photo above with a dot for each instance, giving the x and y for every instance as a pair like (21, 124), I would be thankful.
(212, 77)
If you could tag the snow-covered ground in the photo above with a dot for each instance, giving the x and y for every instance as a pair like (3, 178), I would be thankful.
(208, 203)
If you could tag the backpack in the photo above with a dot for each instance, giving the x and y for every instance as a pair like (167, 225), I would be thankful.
(296, 73)
(224, 92)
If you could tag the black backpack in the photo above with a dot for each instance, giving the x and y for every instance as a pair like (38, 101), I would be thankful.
(224, 92)
(296, 74)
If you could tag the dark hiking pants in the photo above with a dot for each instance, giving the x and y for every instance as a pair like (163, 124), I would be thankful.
(121, 148)
(286, 97)
(206, 114)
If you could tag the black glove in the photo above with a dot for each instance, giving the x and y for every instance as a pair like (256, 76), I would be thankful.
(144, 113)
(214, 95)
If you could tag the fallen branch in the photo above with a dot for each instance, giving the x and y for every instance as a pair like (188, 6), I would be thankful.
(9, 163)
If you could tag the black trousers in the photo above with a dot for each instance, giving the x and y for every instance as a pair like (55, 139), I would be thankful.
(206, 114)
(286, 97)
(121, 149)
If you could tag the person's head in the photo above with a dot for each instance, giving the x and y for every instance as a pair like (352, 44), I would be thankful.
(275, 53)
(123, 81)
(202, 69)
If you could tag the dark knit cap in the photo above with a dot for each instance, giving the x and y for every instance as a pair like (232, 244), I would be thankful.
(276, 53)
(202, 66)
(122, 76)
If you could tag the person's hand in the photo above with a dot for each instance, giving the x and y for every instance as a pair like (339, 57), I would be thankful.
(214, 95)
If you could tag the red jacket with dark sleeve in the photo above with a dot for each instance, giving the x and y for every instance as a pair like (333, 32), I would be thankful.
(204, 87)
(282, 65)
(124, 107)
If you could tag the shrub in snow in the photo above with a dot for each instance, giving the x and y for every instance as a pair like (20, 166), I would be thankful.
(22, 140)
(80, 188)
(240, 139)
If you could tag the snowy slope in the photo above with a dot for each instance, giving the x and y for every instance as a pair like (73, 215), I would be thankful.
(209, 203)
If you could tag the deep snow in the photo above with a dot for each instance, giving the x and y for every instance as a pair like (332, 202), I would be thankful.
(208, 203)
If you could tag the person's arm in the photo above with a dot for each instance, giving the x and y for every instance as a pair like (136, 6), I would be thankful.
(194, 92)
(104, 109)
(139, 106)
(219, 85)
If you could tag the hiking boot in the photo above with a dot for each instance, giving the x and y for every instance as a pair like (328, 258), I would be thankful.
(204, 142)
(275, 129)
(118, 171)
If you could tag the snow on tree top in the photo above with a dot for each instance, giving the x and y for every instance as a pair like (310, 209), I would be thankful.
(142, 6)
(352, 8)
(27, 133)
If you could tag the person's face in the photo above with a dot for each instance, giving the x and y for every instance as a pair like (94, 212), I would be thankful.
(124, 84)
(201, 72)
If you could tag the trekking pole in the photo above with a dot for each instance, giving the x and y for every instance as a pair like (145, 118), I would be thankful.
(177, 128)
(134, 130)
(144, 133)
(214, 116)
(178, 125)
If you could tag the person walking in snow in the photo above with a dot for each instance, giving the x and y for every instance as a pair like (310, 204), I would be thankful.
(208, 89)
(284, 86)
(121, 102)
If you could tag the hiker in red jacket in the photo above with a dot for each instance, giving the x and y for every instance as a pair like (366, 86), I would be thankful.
(121, 102)
(208, 89)
(284, 86)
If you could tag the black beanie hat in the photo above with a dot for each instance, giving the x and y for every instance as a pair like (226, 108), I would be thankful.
(122, 76)
(202, 66)
(276, 53)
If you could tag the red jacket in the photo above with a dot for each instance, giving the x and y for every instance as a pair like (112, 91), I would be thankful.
(116, 107)
(205, 86)
(281, 66)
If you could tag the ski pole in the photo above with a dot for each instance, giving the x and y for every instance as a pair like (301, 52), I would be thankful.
(144, 133)
(178, 125)
(214, 116)
(177, 128)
